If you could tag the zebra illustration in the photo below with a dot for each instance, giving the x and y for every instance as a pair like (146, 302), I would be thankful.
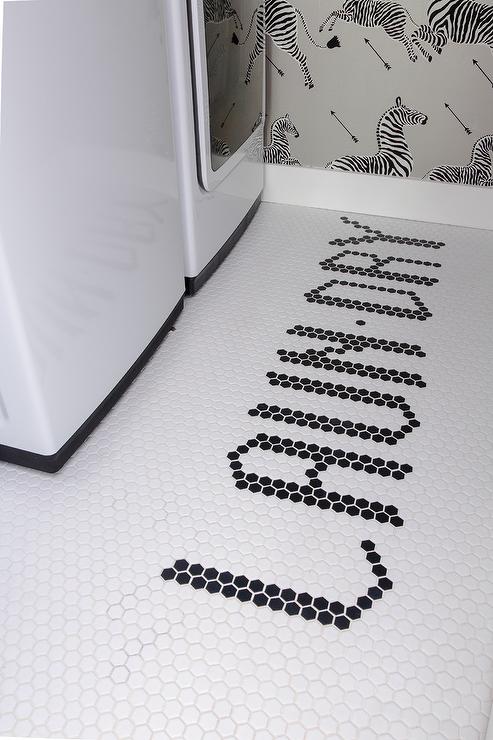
(279, 20)
(389, 16)
(255, 150)
(393, 156)
(279, 150)
(477, 172)
(219, 147)
(217, 11)
(460, 21)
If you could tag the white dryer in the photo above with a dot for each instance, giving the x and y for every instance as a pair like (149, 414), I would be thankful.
(91, 261)
(219, 107)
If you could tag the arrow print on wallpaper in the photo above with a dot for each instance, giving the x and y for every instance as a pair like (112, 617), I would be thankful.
(466, 128)
(213, 45)
(227, 115)
(353, 137)
(279, 71)
(385, 64)
(478, 66)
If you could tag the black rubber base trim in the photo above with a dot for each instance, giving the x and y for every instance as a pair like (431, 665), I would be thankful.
(194, 284)
(53, 463)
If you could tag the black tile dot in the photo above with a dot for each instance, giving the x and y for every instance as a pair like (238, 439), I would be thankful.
(353, 612)
(226, 577)
(364, 602)
(260, 599)
(336, 607)
(292, 608)
(245, 595)
(168, 574)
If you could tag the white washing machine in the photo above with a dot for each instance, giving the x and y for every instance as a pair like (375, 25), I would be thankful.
(219, 125)
(91, 249)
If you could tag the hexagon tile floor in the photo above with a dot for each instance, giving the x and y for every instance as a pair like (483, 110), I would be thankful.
(283, 530)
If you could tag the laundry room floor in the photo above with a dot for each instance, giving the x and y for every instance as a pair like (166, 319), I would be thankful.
(284, 528)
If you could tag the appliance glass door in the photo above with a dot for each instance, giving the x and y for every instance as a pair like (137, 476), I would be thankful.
(229, 87)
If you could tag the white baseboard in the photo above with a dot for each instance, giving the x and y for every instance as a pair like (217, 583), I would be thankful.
(442, 203)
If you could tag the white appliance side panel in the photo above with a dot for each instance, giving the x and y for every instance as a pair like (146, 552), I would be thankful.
(22, 411)
(89, 213)
(209, 217)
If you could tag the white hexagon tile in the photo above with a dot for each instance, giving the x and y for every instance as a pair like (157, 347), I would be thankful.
(283, 530)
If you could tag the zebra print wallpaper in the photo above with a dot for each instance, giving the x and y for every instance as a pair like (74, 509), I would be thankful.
(377, 86)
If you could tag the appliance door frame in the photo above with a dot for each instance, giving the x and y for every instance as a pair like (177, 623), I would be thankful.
(209, 178)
